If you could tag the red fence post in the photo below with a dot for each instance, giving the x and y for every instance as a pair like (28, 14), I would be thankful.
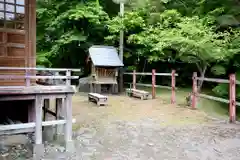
(153, 84)
(134, 79)
(173, 98)
(194, 91)
(232, 98)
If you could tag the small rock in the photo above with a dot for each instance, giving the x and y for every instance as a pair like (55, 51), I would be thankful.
(150, 144)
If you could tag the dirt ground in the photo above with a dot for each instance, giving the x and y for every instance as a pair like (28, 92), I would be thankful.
(132, 129)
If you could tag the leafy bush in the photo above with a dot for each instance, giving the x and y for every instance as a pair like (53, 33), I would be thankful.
(222, 90)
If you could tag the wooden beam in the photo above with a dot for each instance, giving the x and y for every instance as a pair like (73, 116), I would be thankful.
(36, 77)
(213, 98)
(29, 127)
(41, 69)
(213, 80)
(150, 85)
(149, 74)
(38, 121)
(39, 90)
(68, 126)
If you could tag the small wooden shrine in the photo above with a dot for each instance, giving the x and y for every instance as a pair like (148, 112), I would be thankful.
(104, 62)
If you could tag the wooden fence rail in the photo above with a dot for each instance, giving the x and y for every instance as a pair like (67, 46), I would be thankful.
(232, 93)
(68, 77)
(153, 85)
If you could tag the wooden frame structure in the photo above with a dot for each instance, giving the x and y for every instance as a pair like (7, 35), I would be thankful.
(104, 64)
(232, 93)
(40, 96)
(18, 76)
(153, 85)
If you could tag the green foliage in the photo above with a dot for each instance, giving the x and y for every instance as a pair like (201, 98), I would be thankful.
(222, 90)
(65, 32)
(199, 34)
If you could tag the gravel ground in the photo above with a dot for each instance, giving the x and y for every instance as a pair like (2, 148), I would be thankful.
(130, 129)
(147, 140)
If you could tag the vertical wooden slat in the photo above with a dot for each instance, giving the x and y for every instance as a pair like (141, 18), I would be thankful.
(68, 127)
(59, 115)
(68, 80)
(38, 114)
(232, 98)
(153, 84)
(26, 28)
(134, 79)
(31, 29)
(194, 92)
(4, 33)
(46, 106)
(173, 97)
(38, 148)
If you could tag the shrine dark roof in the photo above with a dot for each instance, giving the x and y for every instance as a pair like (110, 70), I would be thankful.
(105, 56)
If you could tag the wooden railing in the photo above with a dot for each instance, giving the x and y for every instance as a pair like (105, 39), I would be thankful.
(153, 85)
(30, 76)
(232, 93)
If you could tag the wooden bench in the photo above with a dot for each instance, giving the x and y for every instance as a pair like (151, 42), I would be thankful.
(97, 98)
(137, 93)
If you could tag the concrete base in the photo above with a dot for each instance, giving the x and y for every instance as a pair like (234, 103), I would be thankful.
(38, 151)
(70, 147)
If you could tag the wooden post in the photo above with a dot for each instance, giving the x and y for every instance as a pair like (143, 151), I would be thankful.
(27, 79)
(68, 127)
(153, 84)
(46, 106)
(59, 115)
(173, 98)
(194, 91)
(39, 147)
(232, 98)
(68, 80)
(134, 79)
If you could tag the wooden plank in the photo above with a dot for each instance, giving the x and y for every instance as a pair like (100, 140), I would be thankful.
(40, 69)
(38, 90)
(60, 114)
(46, 107)
(29, 97)
(97, 98)
(213, 98)
(150, 85)
(29, 127)
(238, 104)
(97, 95)
(38, 114)
(14, 31)
(17, 131)
(138, 93)
(237, 82)
(149, 74)
(213, 80)
(36, 77)
(68, 126)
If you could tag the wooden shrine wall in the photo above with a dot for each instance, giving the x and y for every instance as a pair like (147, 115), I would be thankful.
(17, 37)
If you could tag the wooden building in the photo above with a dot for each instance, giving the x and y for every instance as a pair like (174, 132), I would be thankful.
(20, 97)
(104, 63)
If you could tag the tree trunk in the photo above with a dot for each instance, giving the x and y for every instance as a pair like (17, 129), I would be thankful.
(202, 75)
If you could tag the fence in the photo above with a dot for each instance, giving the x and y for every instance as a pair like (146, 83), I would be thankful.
(232, 93)
(28, 75)
(153, 85)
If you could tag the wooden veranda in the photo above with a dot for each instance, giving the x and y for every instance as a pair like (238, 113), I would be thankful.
(18, 79)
